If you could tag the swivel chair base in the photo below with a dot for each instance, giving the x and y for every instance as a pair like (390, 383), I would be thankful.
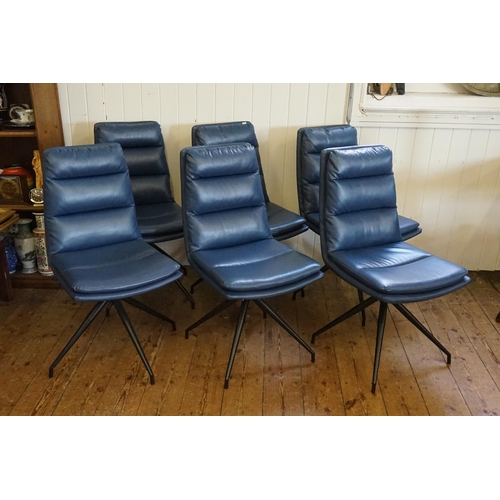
(126, 322)
(239, 327)
(380, 330)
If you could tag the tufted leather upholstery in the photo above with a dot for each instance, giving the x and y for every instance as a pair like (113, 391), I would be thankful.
(227, 234)
(362, 243)
(94, 244)
(310, 142)
(158, 215)
(283, 223)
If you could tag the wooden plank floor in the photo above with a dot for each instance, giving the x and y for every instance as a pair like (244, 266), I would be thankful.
(272, 375)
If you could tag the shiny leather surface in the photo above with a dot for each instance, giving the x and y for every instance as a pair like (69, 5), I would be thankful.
(94, 244)
(360, 235)
(310, 142)
(159, 216)
(227, 235)
(283, 223)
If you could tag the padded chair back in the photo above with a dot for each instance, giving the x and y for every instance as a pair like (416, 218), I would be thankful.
(358, 209)
(223, 203)
(310, 142)
(144, 151)
(87, 188)
(228, 133)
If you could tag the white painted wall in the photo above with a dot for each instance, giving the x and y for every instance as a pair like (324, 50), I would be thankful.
(447, 175)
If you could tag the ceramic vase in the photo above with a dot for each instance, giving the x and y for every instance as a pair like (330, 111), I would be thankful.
(39, 220)
(25, 246)
(10, 253)
(41, 252)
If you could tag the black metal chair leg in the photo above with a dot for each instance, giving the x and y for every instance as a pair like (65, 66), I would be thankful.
(380, 337)
(86, 323)
(363, 305)
(363, 314)
(185, 292)
(411, 318)
(296, 292)
(286, 327)
(145, 308)
(195, 284)
(130, 329)
(108, 307)
(236, 339)
(207, 316)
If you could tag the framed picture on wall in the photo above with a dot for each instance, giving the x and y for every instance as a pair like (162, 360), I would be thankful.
(13, 189)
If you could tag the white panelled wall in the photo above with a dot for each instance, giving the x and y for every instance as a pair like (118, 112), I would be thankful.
(447, 179)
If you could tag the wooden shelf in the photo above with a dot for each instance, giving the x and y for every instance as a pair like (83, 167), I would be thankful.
(33, 280)
(23, 207)
(27, 132)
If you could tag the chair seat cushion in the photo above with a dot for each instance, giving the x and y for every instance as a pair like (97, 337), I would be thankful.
(398, 268)
(282, 220)
(112, 269)
(160, 221)
(407, 225)
(255, 266)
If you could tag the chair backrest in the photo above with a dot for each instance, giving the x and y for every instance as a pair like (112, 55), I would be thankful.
(144, 151)
(228, 133)
(222, 200)
(310, 142)
(357, 198)
(88, 201)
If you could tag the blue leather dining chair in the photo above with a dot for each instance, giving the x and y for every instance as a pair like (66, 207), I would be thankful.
(158, 215)
(361, 241)
(284, 223)
(228, 239)
(94, 244)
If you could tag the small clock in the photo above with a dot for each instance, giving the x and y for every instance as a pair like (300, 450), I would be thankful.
(36, 196)
(13, 189)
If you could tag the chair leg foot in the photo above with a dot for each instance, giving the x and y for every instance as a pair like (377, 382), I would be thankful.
(374, 387)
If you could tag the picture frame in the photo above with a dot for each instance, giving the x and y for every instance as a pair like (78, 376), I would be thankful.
(13, 189)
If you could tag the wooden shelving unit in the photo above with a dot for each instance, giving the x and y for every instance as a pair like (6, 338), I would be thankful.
(16, 148)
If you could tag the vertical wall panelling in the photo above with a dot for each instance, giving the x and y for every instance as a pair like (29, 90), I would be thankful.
(96, 111)
(278, 123)
(133, 107)
(243, 93)
(150, 98)
(336, 103)
(224, 102)
(63, 91)
(205, 103)
(78, 113)
(115, 102)
(261, 106)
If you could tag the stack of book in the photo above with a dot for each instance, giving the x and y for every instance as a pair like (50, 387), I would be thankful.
(7, 218)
